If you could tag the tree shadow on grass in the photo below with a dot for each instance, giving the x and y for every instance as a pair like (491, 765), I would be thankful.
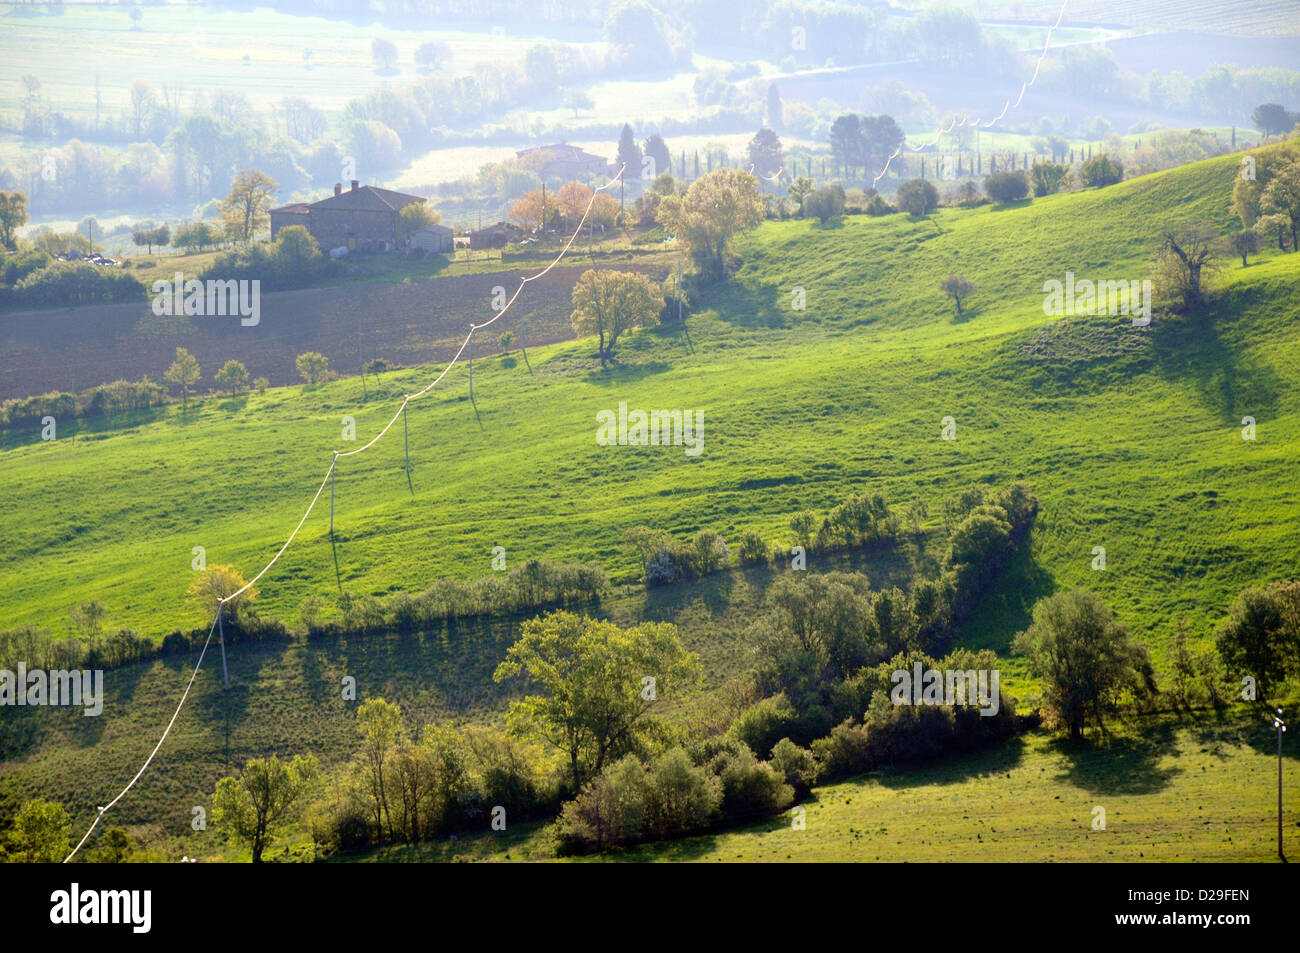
(1119, 764)
(1007, 607)
(952, 768)
(750, 305)
(618, 373)
(1197, 349)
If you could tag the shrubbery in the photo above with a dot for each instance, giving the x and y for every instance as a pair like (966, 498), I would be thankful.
(71, 283)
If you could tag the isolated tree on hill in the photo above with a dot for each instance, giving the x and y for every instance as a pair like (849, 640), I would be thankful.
(1047, 177)
(594, 705)
(608, 303)
(917, 197)
(629, 153)
(195, 236)
(1272, 119)
(1083, 657)
(149, 235)
(1281, 198)
(184, 373)
(39, 834)
(245, 210)
(714, 208)
(1262, 635)
(1101, 170)
(13, 216)
(577, 100)
(233, 377)
(266, 793)
(313, 367)
(765, 153)
(383, 53)
(1244, 243)
(1188, 259)
(432, 54)
(957, 288)
(657, 149)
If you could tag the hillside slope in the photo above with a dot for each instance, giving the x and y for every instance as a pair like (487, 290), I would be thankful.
(1131, 436)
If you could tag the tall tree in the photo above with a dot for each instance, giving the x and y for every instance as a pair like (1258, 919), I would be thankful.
(595, 704)
(184, 373)
(265, 794)
(775, 117)
(846, 142)
(714, 208)
(657, 149)
(629, 153)
(380, 725)
(765, 153)
(245, 210)
(40, 833)
(1083, 657)
(880, 137)
(608, 303)
(13, 216)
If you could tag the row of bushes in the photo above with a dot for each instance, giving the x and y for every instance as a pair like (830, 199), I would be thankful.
(858, 521)
(537, 584)
(72, 283)
(101, 400)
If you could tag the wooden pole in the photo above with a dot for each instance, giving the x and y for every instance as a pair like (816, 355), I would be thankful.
(225, 675)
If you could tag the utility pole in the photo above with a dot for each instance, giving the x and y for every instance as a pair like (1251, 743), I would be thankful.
(225, 675)
(471, 367)
(406, 439)
(1280, 725)
(333, 467)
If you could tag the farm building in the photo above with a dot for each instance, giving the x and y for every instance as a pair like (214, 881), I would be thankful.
(364, 218)
(567, 162)
(495, 236)
(433, 239)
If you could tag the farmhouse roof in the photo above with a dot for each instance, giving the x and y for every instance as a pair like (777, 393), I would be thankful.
(366, 198)
(562, 150)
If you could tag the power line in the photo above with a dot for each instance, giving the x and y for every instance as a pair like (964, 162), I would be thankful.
(966, 121)
(329, 473)
(197, 665)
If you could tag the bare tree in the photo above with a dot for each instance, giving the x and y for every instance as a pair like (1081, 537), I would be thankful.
(1188, 261)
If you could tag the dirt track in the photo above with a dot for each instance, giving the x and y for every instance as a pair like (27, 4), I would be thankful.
(406, 323)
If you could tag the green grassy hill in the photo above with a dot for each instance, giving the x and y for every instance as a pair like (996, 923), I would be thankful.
(1171, 791)
(1130, 436)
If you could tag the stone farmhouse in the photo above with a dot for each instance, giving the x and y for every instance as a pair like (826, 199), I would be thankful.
(567, 163)
(364, 218)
